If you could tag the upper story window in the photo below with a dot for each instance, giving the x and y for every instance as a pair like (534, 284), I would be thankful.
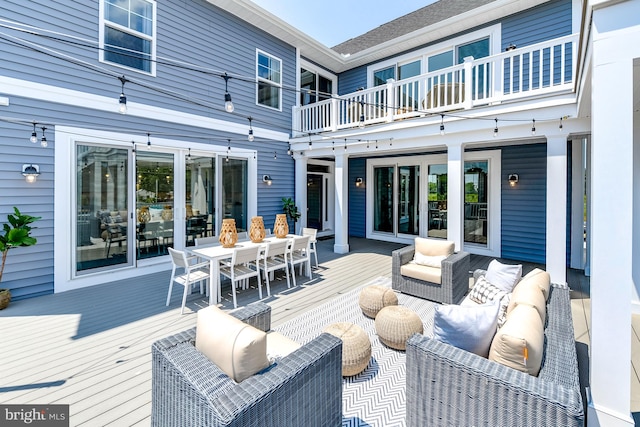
(397, 71)
(127, 33)
(479, 43)
(269, 77)
(314, 87)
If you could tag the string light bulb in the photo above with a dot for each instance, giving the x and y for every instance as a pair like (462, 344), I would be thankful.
(250, 137)
(275, 155)
(43, 140)
(34, 135)
(560, 127)
(533, 127)
(441, 124)
(149, 141)
(495, 130)
(228, 104)
(122, 102)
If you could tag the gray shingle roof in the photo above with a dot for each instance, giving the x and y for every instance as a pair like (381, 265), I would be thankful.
(428, 15)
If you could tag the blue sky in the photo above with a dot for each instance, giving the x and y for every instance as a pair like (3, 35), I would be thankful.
(333, 21)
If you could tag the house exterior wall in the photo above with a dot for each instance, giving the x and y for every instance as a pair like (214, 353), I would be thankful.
(524, 206)
(195, 32)
(357, 198)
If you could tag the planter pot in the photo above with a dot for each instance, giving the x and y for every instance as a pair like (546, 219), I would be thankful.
(281, 228)
(5, 298)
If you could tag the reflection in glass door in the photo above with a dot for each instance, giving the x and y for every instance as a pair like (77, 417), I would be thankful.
(315, 201)
(154, 203)
(383, 196)
(103, 234)
(475, 202)
(234, 191)
(437, 201)
(200, 191)
(408, 215)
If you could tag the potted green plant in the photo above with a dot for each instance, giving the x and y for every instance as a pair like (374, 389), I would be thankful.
(16, 232)
(289, 207)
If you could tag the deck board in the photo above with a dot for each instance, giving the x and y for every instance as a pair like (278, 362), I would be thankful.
(90, 348)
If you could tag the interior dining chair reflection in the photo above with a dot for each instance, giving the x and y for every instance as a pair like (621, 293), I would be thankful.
(192, 273)
(243, 266)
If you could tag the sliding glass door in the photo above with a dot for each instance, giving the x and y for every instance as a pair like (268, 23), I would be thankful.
(396, 194)
(103, 223)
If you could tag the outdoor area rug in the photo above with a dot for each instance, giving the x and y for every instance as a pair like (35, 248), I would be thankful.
(375, 397)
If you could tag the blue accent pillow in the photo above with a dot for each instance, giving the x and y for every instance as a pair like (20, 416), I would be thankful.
(469, 328)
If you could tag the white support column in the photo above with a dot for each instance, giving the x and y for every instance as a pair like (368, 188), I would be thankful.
(557, 208)
(341, 245)
(577, 204)
(301, 190)
(612, 212)
(455, 194)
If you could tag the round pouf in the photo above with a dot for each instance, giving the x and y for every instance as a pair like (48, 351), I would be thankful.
(356, 347)
(374, 298)
(395, 324)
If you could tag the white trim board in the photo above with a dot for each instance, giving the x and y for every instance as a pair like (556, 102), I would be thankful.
(48, 93)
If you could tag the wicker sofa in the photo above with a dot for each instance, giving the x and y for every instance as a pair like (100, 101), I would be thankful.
(301, 389)
(454, 275)
(447, 386)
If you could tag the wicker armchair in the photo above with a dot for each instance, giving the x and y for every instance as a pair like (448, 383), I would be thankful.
(454, 277)
(301, 389)
(447, 386)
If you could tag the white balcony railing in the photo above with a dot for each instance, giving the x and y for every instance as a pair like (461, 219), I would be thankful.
(541, 69)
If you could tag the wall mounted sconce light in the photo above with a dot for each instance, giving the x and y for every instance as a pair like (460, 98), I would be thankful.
(511, 47)
(309, 182)
(30, 172)
(513, 179)
(359, 182)
(267, 179)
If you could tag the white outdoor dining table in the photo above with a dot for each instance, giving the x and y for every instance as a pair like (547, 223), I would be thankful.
(217, 253)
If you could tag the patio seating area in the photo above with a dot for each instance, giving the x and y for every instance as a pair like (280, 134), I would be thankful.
(91, 348)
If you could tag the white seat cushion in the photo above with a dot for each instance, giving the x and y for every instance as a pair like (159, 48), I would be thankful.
(238, 349)
(432, 247)
(538, 278)
(422, 272)
(519, 344)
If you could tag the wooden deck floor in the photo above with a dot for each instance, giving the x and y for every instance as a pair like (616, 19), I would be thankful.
(90, 348)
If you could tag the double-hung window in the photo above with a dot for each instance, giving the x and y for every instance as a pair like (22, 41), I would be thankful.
(127, 33)
(269, 79)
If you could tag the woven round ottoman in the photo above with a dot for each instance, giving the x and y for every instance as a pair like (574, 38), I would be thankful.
(375, 297)
(395, 324)
(356, 347)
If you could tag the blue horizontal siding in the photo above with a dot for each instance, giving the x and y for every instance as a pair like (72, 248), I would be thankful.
(524, 206)
(357, 198)
(194, 32)
(350, 81)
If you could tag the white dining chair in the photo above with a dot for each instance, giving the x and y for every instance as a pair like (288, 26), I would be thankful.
(243, 266)
(210, 241)
(274, 258)
(192, 273)
(299, 253)
(312, 233)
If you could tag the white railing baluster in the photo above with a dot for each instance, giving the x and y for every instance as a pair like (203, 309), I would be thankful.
(475, 82)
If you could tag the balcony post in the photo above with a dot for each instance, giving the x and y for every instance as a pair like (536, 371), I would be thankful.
(468, 79)
(335, 109)
(392, 102)
(295, 121)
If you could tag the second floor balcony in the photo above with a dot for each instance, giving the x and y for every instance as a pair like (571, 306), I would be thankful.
(542, 69)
